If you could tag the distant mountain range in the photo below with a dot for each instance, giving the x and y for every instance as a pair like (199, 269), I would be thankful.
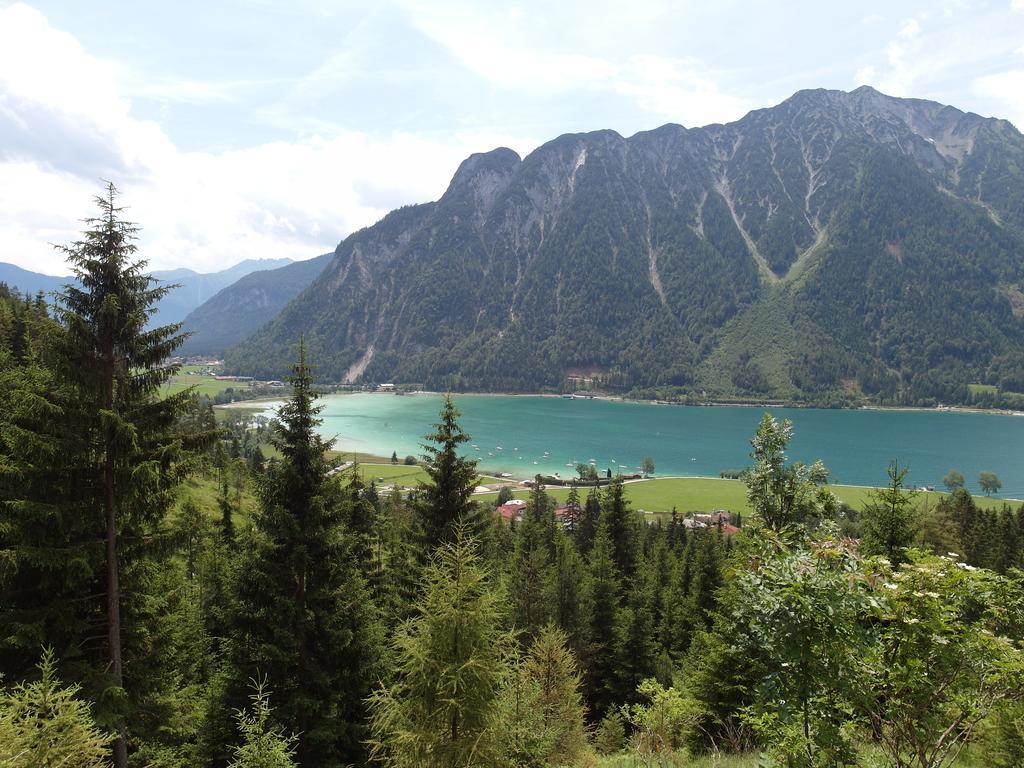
(846, 243)
(194, 287)
(236, 312)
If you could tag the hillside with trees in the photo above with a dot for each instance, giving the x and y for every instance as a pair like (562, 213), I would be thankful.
(237, 311)
(838, 245)
(169, 598)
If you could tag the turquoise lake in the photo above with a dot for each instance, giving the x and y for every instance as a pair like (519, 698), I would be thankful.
(526, 435)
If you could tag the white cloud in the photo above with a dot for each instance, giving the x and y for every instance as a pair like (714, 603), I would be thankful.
(910, 29)
(474, 42)
(1007, 88)
(676, 89)
(65, 125)
(1017, 5)
(505, 51)
(865, 75)
(903, 65)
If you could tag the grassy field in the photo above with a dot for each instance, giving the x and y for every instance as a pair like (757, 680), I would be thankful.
(980, 389)
(393, 473)
(205, 385)
(203, 491)
(686, 494)
(699, 494)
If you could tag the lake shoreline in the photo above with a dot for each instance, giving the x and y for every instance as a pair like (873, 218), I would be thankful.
(714, 403)
(259, 403)
(765, 405)
(541, 434)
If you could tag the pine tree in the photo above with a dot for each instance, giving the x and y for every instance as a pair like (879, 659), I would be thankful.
(1006, 552)
(191, 528)
(48, 528)
(530, 569)
(634, 648)
(573, 510)
(960, 507)
(400, 558)
(588, 522)
(362, 524)
(657, 574)
(304, 615)
(263, 744)
(115, 367)
(451, 663)
(446, 501)
(45, 725)
(678, 621)
(782, 494)
(705, 576)
(543, 717)
(623, 528)
(889, 518)
(676, 532)
(566, 587)
(227, 524)
(603, 593)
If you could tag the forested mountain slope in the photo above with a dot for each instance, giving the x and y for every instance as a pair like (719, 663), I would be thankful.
(838, 242)
(236, 312)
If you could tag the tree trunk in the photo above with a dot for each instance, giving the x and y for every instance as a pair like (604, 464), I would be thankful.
(113, 582)
(303, 660)
(114, 609)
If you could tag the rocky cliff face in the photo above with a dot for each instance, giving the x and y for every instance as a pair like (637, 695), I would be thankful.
(648, 259)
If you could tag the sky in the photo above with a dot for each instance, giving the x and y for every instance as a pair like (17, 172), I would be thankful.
(264, 129)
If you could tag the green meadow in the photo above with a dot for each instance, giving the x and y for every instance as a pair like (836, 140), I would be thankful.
(699, 494)
(189, 376)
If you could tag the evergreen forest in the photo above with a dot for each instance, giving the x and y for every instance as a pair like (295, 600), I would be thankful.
(297, 616)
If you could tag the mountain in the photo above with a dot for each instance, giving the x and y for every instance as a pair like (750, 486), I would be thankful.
(238, 311)
(835, 243)
(193, 287)
(29, 282)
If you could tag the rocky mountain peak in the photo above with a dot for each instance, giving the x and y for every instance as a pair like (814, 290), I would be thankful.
(736, 257)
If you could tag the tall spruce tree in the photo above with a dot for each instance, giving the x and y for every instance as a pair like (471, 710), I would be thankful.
(705, 575)
(603, 594)
(49, 542)
(530, 569)
(446, 501)
(114, 366)
(589, 518)
(304, 616)
(573, 510)
(889, 518)
(451, 663)
(623, 528)
(634, 649)
(362, 525)
(566, 586)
